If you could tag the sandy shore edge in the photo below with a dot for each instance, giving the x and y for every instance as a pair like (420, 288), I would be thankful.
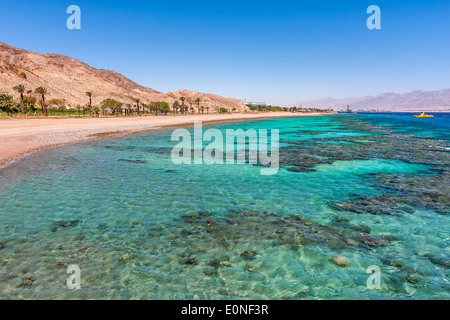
(20, 137)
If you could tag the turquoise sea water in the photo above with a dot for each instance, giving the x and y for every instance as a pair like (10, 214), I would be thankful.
(371, 188)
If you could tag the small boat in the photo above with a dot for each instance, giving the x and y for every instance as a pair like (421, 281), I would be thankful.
(423, 115)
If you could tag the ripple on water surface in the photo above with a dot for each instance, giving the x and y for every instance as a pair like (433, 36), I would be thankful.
(141, 227)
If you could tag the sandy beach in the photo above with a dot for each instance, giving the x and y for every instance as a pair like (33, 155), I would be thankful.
(22, 136)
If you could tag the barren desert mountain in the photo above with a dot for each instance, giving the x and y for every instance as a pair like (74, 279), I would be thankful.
(418, 100)
(70, 79)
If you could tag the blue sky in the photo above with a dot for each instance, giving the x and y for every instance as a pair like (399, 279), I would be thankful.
(275, 51)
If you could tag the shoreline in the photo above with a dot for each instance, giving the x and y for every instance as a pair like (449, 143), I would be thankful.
(407, 111)
(21, 137)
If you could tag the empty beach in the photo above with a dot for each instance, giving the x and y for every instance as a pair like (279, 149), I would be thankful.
(22, 136)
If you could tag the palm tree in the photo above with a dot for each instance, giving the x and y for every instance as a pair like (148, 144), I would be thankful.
(96, 111)
(109, 105)
(62, 106)
(128, 109)
(119, 108)
(190, 101)
(144, 108)
(176, 106)
(164, 107)
(197, 101)
(29, 102)
(89, 94)
(7, 103)
(137, 105)
(85, 106)
(207, 109)
(20, 89)
(41, 104)
(182, 99)
(78, 107)
(42, 91)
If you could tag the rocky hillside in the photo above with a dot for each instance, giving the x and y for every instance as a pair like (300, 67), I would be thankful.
(68, 78)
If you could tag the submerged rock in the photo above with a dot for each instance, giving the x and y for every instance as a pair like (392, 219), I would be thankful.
(442, 261)
(341, 261)
(211, 272)
(249, 268)
(300, 169)
(248, 255)
(392, 262)
(370, 205)
(217, 263)
(302, 295)
(372, 241)
(340, 220)
(190, 261)
(412, 278)
(26, 283)
(132, 161)
(135, 224)
(125, 257)
(79, 236)
(66, 223)
(363, 229)
(391, 237)
(351, 242)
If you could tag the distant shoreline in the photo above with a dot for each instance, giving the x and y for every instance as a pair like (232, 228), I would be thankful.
(20, 137)
(403, 111)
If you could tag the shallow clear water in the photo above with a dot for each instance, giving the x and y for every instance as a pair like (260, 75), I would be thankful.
(139, 231)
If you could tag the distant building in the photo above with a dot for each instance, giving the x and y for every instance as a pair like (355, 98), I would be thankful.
(255, 104)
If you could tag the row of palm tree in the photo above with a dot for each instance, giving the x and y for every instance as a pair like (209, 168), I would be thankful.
(117, 108)
(110, 105)
(40, 90)
(158, 107)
